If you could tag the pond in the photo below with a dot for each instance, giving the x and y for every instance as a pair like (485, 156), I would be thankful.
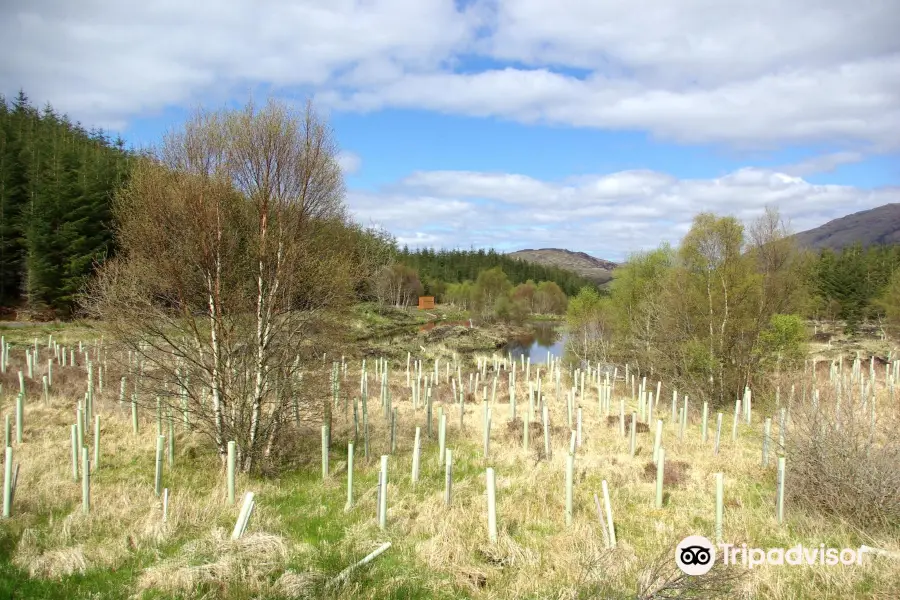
(544, 337)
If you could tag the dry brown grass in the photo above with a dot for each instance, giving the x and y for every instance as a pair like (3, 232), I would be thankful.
(125, 514)
(531, 507)
(57, 540)
(444, 549)
(639, 427)
(218, 560)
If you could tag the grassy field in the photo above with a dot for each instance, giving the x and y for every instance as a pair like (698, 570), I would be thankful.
(300, 535)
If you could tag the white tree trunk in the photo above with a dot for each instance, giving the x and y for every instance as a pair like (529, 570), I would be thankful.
(216, 383)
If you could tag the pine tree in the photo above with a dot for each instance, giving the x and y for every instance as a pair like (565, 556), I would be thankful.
(15, 197)
(56, 184)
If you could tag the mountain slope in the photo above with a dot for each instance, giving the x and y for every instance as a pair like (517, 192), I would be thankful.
(869, 227)
(595, 269)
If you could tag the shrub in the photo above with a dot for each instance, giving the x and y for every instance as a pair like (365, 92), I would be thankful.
(510, 311)
(842, 460)
(783, 342)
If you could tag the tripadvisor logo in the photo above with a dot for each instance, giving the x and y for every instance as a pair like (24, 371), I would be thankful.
(695, 555)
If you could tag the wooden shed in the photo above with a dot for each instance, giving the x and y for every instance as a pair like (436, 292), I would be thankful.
(426, 302)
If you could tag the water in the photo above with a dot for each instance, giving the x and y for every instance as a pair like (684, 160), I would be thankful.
(543, 338)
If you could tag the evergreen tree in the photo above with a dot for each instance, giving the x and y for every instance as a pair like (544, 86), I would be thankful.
(56, 184)
(853, 278)
(14, 198)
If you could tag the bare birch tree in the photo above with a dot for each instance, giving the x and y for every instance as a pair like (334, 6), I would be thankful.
(398, 285)
(233, 239)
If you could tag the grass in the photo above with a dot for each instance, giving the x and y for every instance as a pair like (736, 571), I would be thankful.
(64, 333)
(300, 535)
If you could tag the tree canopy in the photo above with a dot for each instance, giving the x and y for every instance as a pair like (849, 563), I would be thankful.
(708, 314)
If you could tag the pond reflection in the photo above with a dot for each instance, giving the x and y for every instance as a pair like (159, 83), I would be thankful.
(542, 338)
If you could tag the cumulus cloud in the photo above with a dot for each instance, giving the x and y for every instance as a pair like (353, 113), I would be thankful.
(743, 72)
(110, 60)
(858, 102)
(693, 41)
(605, 215)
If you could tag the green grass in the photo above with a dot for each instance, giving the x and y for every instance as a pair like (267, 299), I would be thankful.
(14, 583)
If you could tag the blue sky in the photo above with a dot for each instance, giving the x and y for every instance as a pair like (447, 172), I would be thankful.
(595, 125)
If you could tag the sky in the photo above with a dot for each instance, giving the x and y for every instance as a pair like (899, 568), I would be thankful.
(601, 126)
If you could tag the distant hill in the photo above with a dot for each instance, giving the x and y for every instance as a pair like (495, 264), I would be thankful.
(590, 267)
(869, 227)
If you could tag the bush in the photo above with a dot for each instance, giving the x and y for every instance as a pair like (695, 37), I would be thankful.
(590, 328)
(842, 462)
(512, 311)
(783, 342)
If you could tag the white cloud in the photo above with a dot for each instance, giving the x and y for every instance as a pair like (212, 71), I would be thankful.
(742, 72)
(110, 60)
(350, 162)
(605, 215)
(823, 164)
(501, 187)
(699, 41)
(859, 103)
(412, 212)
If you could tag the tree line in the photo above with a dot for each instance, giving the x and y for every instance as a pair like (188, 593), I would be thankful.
(491, 295)
(58, 179)
(728, 307)
(439, 268)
